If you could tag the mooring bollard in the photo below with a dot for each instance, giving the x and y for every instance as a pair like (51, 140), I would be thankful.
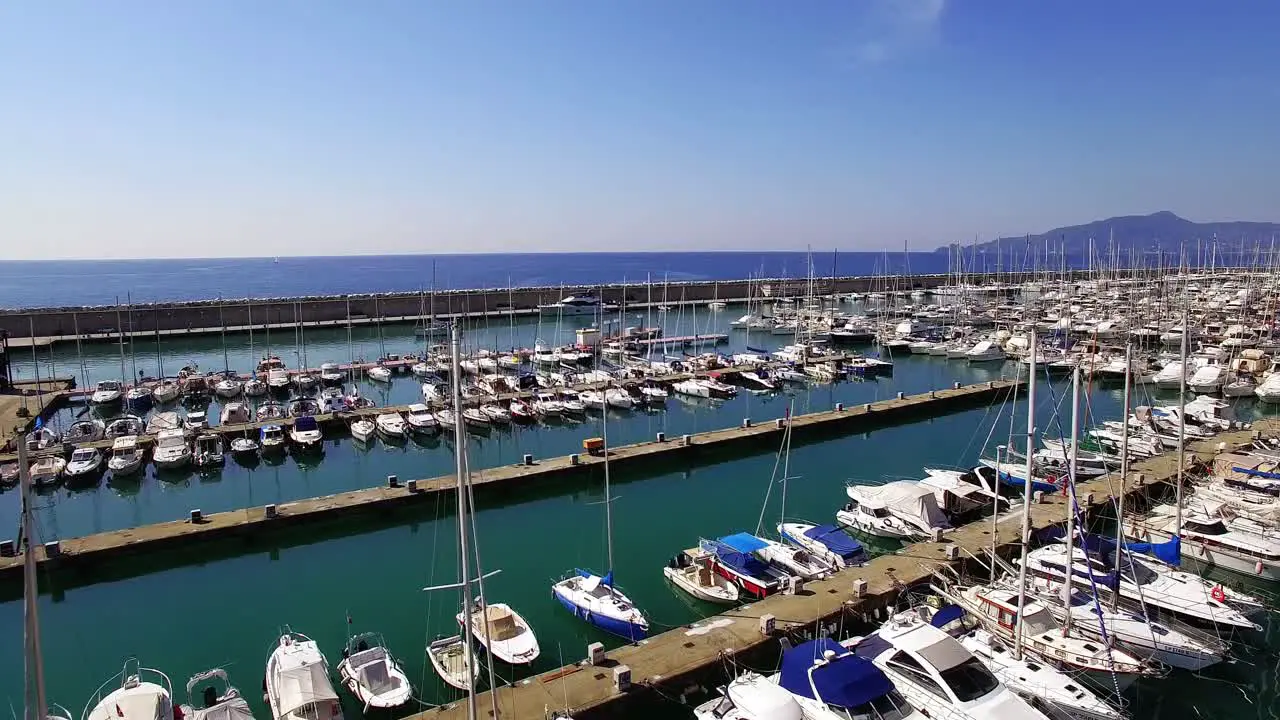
(953, 552)
(901, 395)
(955, 385)
(7, 548)
(412, 485)
(269, 511)
(393, 481)
(662, 437)
(859, 588)
(839, 407)
(53, 548)
(1038, 497)
(197, 516)
(687, 439)
(746, 422)
(573, 459)
(528, 458)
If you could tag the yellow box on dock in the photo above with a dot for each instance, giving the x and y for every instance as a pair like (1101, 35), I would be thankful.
(593, 446)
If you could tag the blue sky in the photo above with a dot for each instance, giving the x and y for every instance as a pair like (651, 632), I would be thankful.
(163, 129)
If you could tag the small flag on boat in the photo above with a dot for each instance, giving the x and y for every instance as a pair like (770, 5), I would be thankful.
(1219, 594)
(39, 422)
(119, 712)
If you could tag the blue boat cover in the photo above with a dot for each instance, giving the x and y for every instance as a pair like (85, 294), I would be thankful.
(946, 616)
(835, 539)
(607, 580)
(305, 423)
(1169, 551)
(742, 562)
(848, 681)
(1256, 473)
(1009, 479)
(744, 542)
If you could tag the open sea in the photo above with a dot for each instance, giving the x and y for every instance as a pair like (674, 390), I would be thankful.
(105, 282)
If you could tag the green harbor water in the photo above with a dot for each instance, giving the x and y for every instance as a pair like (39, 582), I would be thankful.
(225, 607)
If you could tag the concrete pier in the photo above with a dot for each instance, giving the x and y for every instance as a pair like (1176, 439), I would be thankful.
(87, 552)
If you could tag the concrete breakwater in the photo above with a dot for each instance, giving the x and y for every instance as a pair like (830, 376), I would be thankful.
(108, 322)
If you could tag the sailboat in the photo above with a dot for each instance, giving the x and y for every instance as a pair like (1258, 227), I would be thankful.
(595, 598)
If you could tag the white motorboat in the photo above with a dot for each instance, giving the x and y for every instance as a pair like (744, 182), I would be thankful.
(1239, 386)
(692, 388)
(580, 305)
(195, 421)
(162, 421)
(521, 411)
(219, 700)
(446, 418)
(1171, 376)
(254, 387)
(1146, 580)
(297, 681)
(1208, 379)
(83, 431)
(305, 382)
(454, 662)
(569, 402)
(827, 542)
(271, 438)
(795, 560)
(84, 461)
(831, 683)
(496, 413)
(985, 351)
(305, 432)
(371, 673)
(244, 447)
(47, 470)
(900, 509)
(235, 413)
(126, 456)
(135, 693)
(278, 379)
(546, 403)
(42, 438)
(227, 387)
(332, 400)
(1268, 391)
(363, 429)
(435, 392)
(593, 399)
(390, 424)
(1212, 535)
(166, 391)
(172, 450)
(754, 697)
(124, 425)
(420, 419)
(503, 632)
(654, 394)
(209, 451)
(138, 397)
(107, 392)
(330, 374)
(619, 398)
(937, 675)
(472, 417)
(379, 373)
(693, 571)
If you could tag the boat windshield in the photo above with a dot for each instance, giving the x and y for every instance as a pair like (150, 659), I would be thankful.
(1138, 574)
(970, 680)
(891, 706)
(1037, 621)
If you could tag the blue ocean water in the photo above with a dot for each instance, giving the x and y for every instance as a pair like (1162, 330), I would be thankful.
(105, 282)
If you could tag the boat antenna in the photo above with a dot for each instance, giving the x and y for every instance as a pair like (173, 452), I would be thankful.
(1026, 490)
(1182, 420)
(1124, 468)
(608, 512)
(1073, 458)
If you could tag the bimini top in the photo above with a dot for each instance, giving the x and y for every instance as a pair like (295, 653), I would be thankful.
(845, 680)
(744, 542)
(305, 423)
(836, 540)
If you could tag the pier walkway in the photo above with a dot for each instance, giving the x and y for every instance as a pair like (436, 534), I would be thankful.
(85, 552)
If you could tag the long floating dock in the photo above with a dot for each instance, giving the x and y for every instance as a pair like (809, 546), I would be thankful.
(86, 552)
(698, 655)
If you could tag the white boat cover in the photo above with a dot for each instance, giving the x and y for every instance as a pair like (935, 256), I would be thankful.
(371, 671)
(757, 697)
(145, 701)
(235, 709)
(904, 497)
(301, 685)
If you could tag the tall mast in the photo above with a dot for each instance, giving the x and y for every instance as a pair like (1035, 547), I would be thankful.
(1182, 420)
(1026, 490)
(36, 707)
(460, 448)
(1071, 490)
(608, 512)
(1124, 464)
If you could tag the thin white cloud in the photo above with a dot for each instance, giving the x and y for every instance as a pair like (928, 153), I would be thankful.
(889, 29)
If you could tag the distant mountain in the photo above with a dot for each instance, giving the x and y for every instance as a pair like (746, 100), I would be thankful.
(1162, 231)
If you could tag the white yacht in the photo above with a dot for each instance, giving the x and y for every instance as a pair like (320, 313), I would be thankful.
(390, 424)
(47, 470)
(135, 693)
(305, 432)
(278, 379)
(1208, 379)
(84, 461)
(297, 681)
(831, 683)
(1171, 376)
(503, 632)
(172, 450)
(937, 675)
(106, 392)
(227, 387)
(126, 456)
(235, 413)
(371, 674)
(900, 509)
(576, 305)
(985, 351)
(379, 373)
(1211, 536)
(1146, 580)
(546, 403)
(420, 419)
(166, 391)
(218, 701)
(363, 429)
(751, 696)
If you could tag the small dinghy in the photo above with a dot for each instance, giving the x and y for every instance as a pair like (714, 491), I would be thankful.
(244, 446)
(454, 662)
(693, 571)
(363, 429)
(371, 674)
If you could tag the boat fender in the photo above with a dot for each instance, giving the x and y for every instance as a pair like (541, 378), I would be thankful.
(1257, 567)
